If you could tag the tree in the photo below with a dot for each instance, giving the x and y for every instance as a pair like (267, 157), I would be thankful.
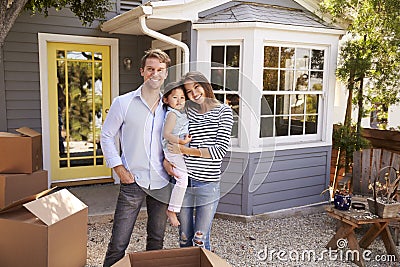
(86, 10)
(369, 62)
(370, 59)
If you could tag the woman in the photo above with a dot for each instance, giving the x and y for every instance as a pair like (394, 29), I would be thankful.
(210, 125)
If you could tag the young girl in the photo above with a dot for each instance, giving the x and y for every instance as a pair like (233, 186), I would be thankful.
(176, 131)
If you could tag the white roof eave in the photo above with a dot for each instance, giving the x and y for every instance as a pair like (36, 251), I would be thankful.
(160, 15)
(263, 25)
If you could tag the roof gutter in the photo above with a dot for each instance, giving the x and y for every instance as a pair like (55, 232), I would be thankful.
(164, 38)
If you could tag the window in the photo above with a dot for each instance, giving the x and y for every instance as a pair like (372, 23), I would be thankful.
(292, 91)
(225, 69)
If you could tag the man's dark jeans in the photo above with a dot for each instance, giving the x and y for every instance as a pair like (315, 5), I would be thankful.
(130, 200)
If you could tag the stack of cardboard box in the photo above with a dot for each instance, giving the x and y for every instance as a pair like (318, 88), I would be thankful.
(21, 164)
(38, 226)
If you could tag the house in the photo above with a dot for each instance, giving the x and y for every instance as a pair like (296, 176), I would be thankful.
(272, 61)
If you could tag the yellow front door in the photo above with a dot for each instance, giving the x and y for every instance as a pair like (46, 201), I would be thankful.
(79, 97)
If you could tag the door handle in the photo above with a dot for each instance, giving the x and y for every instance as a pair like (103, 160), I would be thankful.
(107, 110)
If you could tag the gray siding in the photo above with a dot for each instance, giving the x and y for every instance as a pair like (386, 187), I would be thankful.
(20, 87)
(284, 179)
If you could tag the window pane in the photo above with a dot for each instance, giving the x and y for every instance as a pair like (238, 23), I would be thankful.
(267, 105)
(301, 81)
(297, 104)
(270, 80)
(312, 104)
(220, 97)
(302, 59)
(217, 55)
(271, 56)
(235, 127)
(282, 125)
(266, 127)
(296, 125)
(79, 55)
(233, 102)
(232, 80)
(287, 57)
(232, 56)
(311, 124)
(286, 80)
(217, 79)
(317, 59)
(282, 104)
(316, 80)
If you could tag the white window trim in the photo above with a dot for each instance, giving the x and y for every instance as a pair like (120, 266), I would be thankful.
(323, 106)
(43, 39)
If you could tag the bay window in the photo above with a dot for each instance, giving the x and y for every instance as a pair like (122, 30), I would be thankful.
(293, 86)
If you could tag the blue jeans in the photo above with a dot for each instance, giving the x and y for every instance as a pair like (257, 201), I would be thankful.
(198, 210)
(130, 200)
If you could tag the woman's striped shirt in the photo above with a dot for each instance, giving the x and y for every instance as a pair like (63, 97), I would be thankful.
(210, 130)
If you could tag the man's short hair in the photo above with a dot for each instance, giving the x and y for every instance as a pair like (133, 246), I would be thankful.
(156, 53)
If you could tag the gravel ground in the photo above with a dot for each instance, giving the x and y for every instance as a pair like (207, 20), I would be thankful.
(245, 243)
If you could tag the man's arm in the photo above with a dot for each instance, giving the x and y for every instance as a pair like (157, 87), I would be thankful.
(110, 129)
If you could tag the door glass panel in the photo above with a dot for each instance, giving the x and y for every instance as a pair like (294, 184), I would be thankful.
(79, 55)
(80, 141)
(60, 54)
(98, 56)
(80, 109)
(61, 91)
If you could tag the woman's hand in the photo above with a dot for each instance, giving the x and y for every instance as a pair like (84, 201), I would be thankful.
(174, 148)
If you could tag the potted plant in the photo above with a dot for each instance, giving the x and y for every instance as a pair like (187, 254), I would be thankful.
(384, 202)
(342, 198)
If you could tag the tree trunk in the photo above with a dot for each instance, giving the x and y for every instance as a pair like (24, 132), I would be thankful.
(9, 11)
(360, 105)
(349, 105)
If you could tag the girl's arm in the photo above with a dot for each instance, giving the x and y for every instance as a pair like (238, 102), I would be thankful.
(169, 125)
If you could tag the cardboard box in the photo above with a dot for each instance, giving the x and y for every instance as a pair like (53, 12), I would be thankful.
(14, 187)
(182, 257)
(21, 153)
(48, 231)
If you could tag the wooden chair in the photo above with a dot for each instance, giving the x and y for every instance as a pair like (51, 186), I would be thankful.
(366, 165)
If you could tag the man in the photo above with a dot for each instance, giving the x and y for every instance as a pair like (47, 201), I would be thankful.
(137, 119)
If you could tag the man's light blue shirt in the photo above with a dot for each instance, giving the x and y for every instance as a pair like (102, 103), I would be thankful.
(139, 132)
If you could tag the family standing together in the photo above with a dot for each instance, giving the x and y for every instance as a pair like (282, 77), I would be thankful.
(180, 136)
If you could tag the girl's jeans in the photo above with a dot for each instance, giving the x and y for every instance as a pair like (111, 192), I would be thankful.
(201, 197)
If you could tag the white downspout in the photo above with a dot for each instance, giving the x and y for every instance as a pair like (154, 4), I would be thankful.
(167, 39)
